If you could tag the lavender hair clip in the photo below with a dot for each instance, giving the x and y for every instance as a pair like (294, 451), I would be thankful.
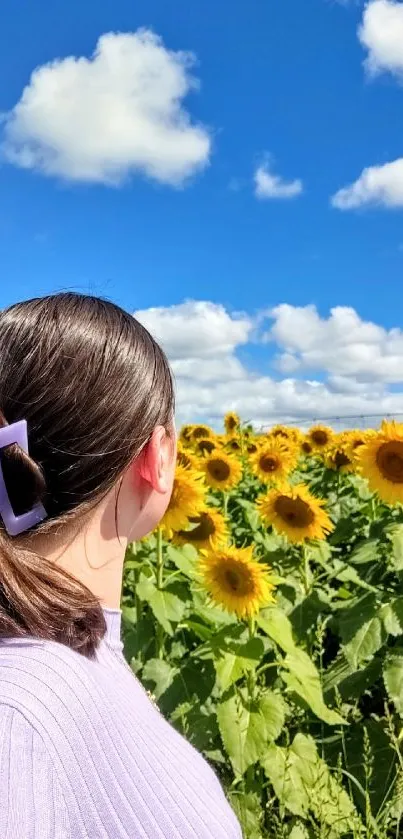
(17, 432)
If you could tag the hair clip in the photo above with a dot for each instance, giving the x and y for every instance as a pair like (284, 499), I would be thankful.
(17, 432)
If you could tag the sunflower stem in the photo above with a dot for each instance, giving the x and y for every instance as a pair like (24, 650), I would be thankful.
(251, 679)
(160, 583)
(307, 570)
(225, 499)
(252, 626)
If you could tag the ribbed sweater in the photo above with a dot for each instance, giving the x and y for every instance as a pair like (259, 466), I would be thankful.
(85, 754)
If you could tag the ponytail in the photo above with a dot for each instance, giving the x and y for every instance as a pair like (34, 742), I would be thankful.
(41, 600)
(37, 598)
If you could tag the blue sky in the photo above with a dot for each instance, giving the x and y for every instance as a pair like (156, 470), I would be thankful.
(283, 86)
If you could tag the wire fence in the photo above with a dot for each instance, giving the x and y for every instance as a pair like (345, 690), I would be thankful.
(339, 423)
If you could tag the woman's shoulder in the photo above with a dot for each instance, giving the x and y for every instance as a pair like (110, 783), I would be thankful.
(45, 680)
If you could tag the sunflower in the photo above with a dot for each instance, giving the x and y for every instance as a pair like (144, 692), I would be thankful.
(221, 470)
(231, 422)
(185, 433)
(186, 458)
(356, 439)
(272, 462)
(205, 446)
(320, 437)
(295, 513)
(380, 460)
(252, 447)
(306, 448)
(187, 499)
(233, 445)
(285, 433)
(200, 432)
(207, 531)
(338, 457)
(236, 581)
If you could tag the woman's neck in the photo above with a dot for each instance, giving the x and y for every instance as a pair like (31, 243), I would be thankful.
(92, 552)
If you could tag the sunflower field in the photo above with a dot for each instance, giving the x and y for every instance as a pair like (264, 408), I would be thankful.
(265, 618)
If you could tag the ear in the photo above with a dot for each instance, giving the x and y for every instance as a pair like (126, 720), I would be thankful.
(154, 464)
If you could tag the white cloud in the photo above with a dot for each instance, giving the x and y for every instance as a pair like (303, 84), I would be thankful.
(354, 359)
(382, 185)
(117, 113)
(196, 329)
(342, 345)
(381, 33)
(268, 185)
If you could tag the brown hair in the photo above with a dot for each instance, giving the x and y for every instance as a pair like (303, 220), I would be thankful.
(92, 384)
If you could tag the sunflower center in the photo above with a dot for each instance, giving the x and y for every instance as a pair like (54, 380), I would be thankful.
(199, 432)
(252, 448)
(280, 433)
(340, 459)
(231, 423)
(234, 445)
(206, 446)
(319, 437)
(295, 511)
(219, 469)
(306, 447)
(357, 443)
(268, 463)
(203, 530)
(389, 460)
(238, 580)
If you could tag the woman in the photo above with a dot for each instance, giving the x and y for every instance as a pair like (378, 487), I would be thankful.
(83, 751)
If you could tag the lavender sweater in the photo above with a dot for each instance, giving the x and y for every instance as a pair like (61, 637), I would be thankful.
(84, 753)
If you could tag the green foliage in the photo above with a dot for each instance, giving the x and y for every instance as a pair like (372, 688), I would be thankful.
(299, 712)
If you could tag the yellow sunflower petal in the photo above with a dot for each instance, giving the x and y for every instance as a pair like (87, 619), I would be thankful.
(320, 437)
(338, 456)
(231, 422)
(380, 460)
(221, 470)
(295, 513)
(272, 462)
(206, 531)
(200, 432)
(187, 499)
(236, 581)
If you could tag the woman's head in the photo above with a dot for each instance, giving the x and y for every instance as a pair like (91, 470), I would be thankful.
(97, 394)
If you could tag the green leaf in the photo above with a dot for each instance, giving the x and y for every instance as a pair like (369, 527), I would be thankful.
(199, 726)
(160, 673)
(347, 574)
(392, 617)
(247, 804)
(230, 666)
(194, 681)
(367, 641)
(185, 559)
(165, 605)
(301, 677)
(393, 678)
(229, 669)
(303, 783)
(209, 613)
(395, 534)
(343, 531)
(364, 552)
(362, 630)
(277, 626)
(200, 629)
(247, 727)
(351, 684)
